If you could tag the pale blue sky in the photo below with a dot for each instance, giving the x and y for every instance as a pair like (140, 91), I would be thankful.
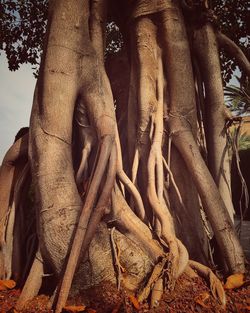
(16, 93)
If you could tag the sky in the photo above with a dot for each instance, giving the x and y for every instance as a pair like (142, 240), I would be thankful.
(16, 93)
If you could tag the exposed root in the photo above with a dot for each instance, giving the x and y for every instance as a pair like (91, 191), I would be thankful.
(170, 175)
(117, 262)
(82, 227)
(129, 185)
(148, 101)
(33, 282)
(214, 206)
(183, 258)
(190, 272)
(167, 231)
(103, 204)
(150, 133)
(140, 211)
(83, 165)
(156, 274)
(12, 164)
(156, 293)
(159, 207)
(13, 235)
(88, 138)
(215, 284)
(132, 227)
(135, 166)
(218, 155)
(7, 247)
(87, 224)
(19, 229)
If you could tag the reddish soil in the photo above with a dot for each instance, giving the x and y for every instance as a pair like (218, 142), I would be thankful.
(190, 295)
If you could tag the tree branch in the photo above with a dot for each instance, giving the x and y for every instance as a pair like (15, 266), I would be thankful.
(232, 49)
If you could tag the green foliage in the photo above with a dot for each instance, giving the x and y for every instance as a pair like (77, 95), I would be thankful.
(242, 139)
(23, 25)
(114, 39)
(233, 21)
(238, 98)
(22, 29)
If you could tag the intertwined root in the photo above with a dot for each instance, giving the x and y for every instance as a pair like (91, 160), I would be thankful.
(161, 109)
(91, 214)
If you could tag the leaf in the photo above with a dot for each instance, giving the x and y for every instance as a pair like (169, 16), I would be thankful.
(234, 281)
(134, 301)
(7, 284)
(200, 299)
(74, 308)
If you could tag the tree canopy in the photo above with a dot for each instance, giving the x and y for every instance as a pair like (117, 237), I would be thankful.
(23, 26)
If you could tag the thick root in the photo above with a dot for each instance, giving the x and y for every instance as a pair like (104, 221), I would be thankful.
(33, 282)
(154, 278)
(215, 284)
(83, 229)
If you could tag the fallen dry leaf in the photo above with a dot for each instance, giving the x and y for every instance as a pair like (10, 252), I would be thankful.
(134, 301)
(7, 284)
(234, 281)
(74, 308)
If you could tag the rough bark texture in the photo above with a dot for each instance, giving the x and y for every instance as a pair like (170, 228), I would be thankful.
(10, 170)
(118, 173)
(215, 116)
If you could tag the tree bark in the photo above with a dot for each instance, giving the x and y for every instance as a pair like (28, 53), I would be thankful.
(110, 203)
(215, 116)
(12, 165)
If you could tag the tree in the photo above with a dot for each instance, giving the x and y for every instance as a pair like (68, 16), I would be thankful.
(130, 177)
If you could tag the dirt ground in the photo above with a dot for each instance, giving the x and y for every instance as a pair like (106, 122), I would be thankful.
(190, 295)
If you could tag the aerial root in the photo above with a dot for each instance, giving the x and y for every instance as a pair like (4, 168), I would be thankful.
(88, 223)
(190, 272)
(157, 280)
(132, 227)
(129, 185)
(88, 138)
(103, 204)
(156, 293)
(215, 284)
(157, 273)
(183, 258)
(116, 257)
(139, 207)
(33, 282)
(83, 165)
(160, 273)
(171, 178)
